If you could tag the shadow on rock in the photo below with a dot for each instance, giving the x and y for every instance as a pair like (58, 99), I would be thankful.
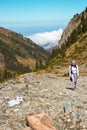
(70, 88)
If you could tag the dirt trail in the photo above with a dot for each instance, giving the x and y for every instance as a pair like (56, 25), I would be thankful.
(47, 93)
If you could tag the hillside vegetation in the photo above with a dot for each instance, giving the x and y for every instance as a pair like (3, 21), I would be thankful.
(75, 47)
(19, 54)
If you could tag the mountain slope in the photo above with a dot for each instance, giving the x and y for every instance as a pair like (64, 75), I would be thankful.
(73, 45)
(18, 53)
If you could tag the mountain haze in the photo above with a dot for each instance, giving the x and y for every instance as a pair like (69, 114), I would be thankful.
(48, 39)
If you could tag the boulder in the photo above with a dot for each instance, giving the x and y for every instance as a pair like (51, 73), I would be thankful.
(40, 122)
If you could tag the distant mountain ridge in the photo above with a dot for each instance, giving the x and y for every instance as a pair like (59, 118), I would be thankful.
(19, 54)
(73, 24)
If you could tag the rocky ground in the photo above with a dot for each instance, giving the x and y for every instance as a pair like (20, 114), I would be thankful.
(49, 93)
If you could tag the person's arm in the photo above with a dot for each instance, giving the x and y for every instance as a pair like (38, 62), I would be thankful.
(77, 71)
(69, 71)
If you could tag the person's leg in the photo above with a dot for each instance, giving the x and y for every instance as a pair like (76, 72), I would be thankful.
(73, 81)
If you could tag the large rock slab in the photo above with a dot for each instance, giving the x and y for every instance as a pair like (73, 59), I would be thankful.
(40, 122)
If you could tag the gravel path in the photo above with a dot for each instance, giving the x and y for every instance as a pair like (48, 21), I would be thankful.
(47, 93)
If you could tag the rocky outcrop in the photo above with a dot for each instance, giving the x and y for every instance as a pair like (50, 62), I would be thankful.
(73, 24)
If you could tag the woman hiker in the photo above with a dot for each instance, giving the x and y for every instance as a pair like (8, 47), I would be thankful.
(73, 73)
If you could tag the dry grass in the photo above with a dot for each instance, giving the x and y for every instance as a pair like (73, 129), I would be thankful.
(27, 61)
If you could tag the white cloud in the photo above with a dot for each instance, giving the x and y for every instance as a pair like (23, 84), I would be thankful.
(47, 39)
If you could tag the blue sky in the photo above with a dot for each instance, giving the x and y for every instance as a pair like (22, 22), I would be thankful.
(38, 13)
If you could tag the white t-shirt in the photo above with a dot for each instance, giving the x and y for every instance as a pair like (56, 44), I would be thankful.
(73, 70)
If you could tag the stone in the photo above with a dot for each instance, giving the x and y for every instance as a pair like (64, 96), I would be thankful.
(1, 86)
(40, 122)
(27, 128)
(14, 102)
(68, 107)
(21, 80)
(73, 117)
(8, 128)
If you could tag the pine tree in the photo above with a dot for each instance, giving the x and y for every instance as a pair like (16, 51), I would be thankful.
(86, 10)
(5, 76)
(37, 65)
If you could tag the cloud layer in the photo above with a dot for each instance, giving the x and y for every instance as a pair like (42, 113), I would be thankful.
(47, 39)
